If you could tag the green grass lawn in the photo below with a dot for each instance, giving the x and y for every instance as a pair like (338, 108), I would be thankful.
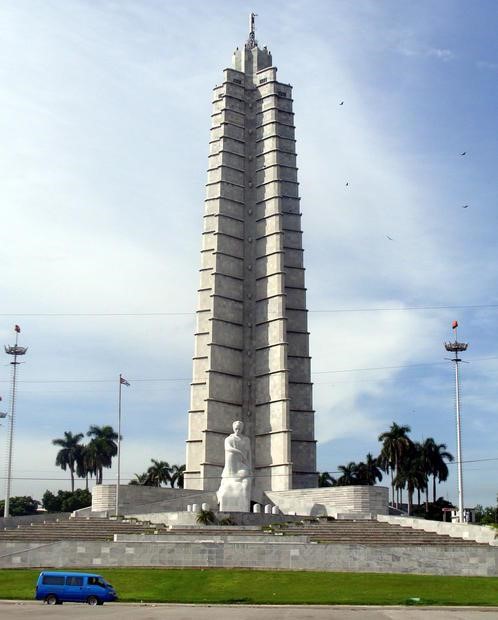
(267, 587)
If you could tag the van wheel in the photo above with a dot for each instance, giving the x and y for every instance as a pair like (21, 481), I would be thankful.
(51, 599)
(92, 600)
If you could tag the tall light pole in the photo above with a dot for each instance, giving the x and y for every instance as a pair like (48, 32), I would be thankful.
(15, 351)
(456, 348)
(122, 381)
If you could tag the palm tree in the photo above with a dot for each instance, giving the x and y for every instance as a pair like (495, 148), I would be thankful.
(101, 449)
(68, 455)
(159, 472)
(425, 451)
(326, 480)
(411, 476)
(395, 445)
(176, 475)
(438, 467)
(140, 479)
(349, 474)
(368, 472)
(205, 517)
(83, 464)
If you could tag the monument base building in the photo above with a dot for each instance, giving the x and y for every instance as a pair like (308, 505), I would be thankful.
(251, 360)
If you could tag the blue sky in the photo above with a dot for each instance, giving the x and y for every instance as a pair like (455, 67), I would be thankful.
(104, 131)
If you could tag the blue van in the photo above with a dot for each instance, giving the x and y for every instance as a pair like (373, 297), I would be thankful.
(56, 588)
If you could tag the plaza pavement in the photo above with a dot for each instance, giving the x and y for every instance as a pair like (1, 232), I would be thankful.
(124, 611)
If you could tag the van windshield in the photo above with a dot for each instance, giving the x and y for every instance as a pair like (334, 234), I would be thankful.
(96, 581)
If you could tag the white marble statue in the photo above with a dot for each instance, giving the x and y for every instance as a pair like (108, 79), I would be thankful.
(234, 494)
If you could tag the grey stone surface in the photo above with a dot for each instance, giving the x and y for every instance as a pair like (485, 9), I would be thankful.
(468, 531)
(10, 522)
(251, 355)
(477, 560)
(338, 502)
(136, 500)
(136, 611)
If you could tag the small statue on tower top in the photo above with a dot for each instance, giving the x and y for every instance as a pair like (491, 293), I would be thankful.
(251, 41)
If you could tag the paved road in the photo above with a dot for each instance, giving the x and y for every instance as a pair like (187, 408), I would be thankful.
(123, 611)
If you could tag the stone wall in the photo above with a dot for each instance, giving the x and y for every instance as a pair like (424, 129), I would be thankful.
(349, 501)
(183, 518)
(134, 499)
(478, 560)
(468, 531)
(143, 502)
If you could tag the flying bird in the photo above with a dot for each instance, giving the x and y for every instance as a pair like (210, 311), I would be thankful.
(464, 153)
(465, 206)
(342, 103)
(347, 183)
(390, 238)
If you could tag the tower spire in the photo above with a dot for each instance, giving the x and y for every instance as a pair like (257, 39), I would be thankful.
(251, 41)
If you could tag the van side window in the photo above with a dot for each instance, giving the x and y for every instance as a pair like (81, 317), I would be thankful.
(74, 581)
(53, 580)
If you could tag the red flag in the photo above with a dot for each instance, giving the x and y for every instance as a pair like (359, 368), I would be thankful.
(17, 329)
(454, 325)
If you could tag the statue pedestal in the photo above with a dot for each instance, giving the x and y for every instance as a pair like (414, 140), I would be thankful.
(234, 495)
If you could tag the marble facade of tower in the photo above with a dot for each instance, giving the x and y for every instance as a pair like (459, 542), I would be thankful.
(251, 359)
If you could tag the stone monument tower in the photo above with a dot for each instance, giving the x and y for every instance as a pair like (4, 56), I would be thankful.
(251, 361)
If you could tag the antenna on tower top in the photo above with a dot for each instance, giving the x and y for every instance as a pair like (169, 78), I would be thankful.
(251, 41)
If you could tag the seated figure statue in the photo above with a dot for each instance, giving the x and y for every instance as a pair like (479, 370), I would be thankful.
(234, 494)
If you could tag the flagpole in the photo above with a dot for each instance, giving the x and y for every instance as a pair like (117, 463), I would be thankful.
(119, 446)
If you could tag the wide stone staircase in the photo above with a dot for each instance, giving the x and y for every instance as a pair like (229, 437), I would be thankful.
(372, 532)
(343, 531)
(78, 528)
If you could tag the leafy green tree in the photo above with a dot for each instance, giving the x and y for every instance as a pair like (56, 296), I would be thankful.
(159, 473)
(176, 475)
(81, 498)
(68, 454)
(20, 505)
(100, 450)
(326, 480)
(66, 501)
(486, 515)
(51, 502)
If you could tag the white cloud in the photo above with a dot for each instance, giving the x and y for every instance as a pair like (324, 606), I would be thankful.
(104, 134)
